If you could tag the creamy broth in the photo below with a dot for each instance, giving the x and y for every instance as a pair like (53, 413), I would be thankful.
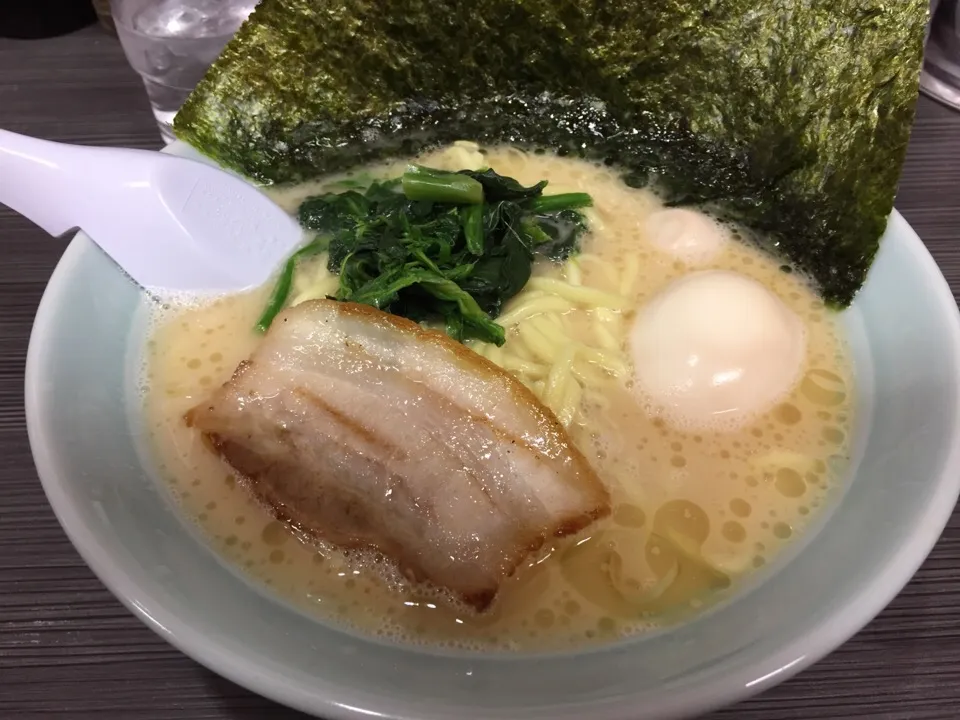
(693, 511)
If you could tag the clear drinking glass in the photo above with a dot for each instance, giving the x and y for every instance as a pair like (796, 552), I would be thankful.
(171, 43)
(940, 78)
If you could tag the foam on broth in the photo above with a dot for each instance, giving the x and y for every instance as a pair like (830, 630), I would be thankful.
(692, 512)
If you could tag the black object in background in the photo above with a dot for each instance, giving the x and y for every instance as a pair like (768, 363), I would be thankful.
(30, 19)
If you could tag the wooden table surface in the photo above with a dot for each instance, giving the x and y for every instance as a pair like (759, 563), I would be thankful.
(69, 650)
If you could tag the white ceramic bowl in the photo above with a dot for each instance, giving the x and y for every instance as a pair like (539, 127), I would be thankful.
(82, 416)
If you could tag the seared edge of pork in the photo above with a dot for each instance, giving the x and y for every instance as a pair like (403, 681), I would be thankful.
(365, 430)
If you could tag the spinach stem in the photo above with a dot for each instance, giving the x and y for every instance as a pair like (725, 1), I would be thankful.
(472, 219)
(281, 290)
(563, 201)
(279, 295)
(420, 183)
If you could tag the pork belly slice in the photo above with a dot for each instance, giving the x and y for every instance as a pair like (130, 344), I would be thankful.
(367, 431)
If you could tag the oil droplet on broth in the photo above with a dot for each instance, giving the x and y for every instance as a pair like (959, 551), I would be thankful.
(629, 516)
(734, 531)
(823, 387)
(789, 483)
(676, 498)
(833, 435)
(782, 531)
(607, 626)
(787, 413)
(275, 533)
(544, 617)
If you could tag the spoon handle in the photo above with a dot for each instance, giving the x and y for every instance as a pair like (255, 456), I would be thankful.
(42, 180)
(169, 222)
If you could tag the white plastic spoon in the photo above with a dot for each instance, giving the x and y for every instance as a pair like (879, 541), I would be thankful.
(172, 224)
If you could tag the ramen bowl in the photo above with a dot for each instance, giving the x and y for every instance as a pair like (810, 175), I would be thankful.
(83, 414)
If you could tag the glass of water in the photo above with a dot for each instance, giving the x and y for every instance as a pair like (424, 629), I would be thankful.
(171, 43)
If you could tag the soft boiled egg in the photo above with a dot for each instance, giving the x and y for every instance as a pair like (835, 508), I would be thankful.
(715, 348)
(686, 235)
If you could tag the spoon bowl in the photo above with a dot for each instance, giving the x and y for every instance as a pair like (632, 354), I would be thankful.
(173, 224)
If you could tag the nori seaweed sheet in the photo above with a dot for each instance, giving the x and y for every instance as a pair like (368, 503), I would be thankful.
(788, 116)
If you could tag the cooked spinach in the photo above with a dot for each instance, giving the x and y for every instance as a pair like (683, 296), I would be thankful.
(281, 291)
(420, 183)
(437, 246)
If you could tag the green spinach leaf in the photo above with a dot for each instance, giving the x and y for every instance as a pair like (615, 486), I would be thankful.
(435, 246)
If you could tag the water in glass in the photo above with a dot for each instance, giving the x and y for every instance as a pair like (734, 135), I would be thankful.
(171, 43)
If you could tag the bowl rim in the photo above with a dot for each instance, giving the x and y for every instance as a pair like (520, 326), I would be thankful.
(188, 634)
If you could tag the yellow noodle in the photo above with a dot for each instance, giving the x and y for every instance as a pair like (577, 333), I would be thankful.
(540, 351)
(605, 337)
(595, 220)
(462, 155)
(319, 289)
(311, 271)
(311, 294)
(570, 407)
(527, 294)
(529, 384)
(609, 317)
(588, 374)
(613, 276)
(559, 377)
(554, 335)
(529, 307)
(580, 295)
(494, 354)
(537, 343)
(604, 358)
(571, 272)
(557, 321)
(516, 347)
(480, 348)
(519, 366)
(518, 161)
(553, 397)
